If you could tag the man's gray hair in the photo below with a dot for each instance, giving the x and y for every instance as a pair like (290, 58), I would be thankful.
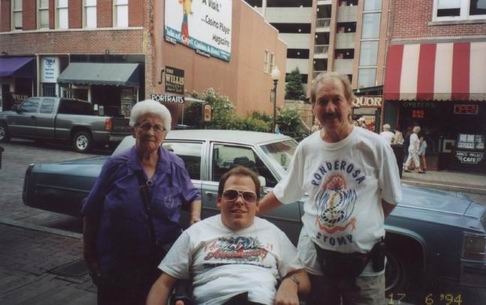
(150, 107)
(386, 127)
(416, 129)
(324, 76)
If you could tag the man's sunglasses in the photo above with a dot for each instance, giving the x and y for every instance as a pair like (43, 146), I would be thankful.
(232, 195)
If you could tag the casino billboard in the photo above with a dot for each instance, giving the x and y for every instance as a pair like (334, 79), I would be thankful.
(202, 25)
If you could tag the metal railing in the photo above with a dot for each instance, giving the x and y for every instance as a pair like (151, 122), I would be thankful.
(323, 22)
(321, 49)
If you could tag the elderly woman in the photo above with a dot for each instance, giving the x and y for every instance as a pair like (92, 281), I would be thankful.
(131, 216)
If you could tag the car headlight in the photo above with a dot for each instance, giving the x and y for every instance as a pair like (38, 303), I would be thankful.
(474, 246)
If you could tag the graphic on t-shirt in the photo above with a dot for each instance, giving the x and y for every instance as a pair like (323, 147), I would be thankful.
(335, 205)
(235, 250)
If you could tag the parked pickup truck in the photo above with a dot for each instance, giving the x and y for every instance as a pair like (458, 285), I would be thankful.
(64, 119)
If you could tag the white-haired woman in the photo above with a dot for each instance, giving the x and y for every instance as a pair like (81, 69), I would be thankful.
(131, 216)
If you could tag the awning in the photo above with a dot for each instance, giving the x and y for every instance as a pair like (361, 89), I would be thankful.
(114, 74)
(436, 71)
(16, 66)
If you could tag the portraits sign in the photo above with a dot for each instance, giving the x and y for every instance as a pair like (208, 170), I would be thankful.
(202, 25)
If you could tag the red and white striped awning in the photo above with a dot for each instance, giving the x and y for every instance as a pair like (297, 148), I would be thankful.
(436, 71)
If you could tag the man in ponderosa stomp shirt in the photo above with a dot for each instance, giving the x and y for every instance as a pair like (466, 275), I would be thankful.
(351, 177)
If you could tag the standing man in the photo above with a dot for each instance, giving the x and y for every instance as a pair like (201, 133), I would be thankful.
(352, 181)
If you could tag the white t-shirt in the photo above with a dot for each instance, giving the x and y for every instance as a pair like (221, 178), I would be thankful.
(388, 136)
(345, 183)
(414, 143)
(224, 263)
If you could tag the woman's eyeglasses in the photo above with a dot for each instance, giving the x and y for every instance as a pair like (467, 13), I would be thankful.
(147, 126)
(232, 195)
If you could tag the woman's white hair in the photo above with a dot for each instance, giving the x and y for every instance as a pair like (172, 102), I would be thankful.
(150, 107)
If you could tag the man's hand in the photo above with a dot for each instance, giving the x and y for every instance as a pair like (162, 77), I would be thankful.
(287, 293)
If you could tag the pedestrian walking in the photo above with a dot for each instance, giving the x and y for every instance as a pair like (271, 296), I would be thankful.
(387, 134)
(413, 150)
(352, 181)
(398, 137)
(131, 216)
(422, 151)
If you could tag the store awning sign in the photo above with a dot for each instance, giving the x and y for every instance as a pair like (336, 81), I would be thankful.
(466, 109)
(368, 101)
(168, 98)
(174, 80)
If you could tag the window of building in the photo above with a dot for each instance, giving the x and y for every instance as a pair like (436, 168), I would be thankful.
(371, 26)
(62, 12)
(289, 3)
(269, 62)
(16, 15)
(298, 53)
(366, 77)
(369, 53)
(42, 14)
(89, 16)
(372, 5)
(459, 10)
(120, 13)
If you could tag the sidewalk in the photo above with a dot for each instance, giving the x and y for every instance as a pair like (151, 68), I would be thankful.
(42, 268)
(448, 180)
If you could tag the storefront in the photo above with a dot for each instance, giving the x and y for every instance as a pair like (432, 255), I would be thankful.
(112, 88)
(17, 80)
(441, 88)
(369, 108)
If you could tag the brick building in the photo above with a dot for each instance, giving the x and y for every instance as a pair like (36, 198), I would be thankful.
(436, 78)
(116, 52)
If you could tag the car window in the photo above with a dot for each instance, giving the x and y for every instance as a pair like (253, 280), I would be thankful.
(71, 106)
(30, 105)
(226, 157)
(47, 105)
(190, 153)
(280, 153)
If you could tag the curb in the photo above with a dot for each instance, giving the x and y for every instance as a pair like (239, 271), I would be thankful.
(25, 225)
(446, 187)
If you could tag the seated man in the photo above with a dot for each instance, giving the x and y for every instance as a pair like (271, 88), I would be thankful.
(234, 254)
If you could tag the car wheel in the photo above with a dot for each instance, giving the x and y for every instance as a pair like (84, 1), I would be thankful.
(4, 137)
(396, 273)
(82, 141)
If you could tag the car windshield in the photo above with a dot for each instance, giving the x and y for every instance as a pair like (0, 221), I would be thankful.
(280, 153)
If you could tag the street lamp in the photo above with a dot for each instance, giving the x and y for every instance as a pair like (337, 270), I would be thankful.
(275, 78)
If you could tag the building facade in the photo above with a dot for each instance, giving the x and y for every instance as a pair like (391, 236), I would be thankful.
(435, 78)
(114, 53)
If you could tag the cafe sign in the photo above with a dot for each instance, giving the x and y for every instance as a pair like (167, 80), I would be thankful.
(368, 101)
(469, 157)
(174, 80)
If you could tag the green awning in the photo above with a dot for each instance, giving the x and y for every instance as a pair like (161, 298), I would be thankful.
(112, 74)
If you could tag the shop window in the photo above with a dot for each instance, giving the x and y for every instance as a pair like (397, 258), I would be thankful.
(42, 14)
(62, 14)
(367, 77)
(16, 15)
(445, 10)
(89, 14)
(120, 13)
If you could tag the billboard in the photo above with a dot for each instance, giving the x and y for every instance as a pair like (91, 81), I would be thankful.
(202, 25)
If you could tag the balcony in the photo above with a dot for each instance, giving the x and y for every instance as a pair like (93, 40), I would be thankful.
(347, 13)
(324, 2)
(320, 51)
(345, 40)
(344, 66)
(323, 24)
(302, 64)
(288, 14)
(296, 41)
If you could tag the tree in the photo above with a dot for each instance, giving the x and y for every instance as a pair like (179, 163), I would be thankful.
(294, 89)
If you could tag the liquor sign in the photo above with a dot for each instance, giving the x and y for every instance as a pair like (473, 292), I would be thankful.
(368, 101)
(469, 157)
(174, 80)
(466, 109)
